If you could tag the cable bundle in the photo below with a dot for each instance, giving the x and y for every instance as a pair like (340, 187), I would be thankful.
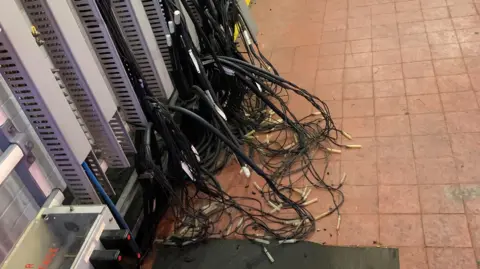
(233, 106)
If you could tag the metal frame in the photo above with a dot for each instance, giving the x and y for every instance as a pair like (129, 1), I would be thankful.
(136, 29)
(40, 97)
(79, 69)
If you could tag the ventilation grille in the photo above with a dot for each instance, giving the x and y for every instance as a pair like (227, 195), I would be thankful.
(96, 168)
(156, 17)
(105, 140)
(133, 35)
(110, 60)
(121, 133)
(25, 92)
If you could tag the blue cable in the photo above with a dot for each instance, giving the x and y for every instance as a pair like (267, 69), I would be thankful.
(118, 217)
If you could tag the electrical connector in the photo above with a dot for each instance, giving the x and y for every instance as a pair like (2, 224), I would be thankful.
(244, 170)
(261, 241)
(269, 256)
(288, 241)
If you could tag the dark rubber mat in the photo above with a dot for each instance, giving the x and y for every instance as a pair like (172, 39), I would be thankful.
(239, 254)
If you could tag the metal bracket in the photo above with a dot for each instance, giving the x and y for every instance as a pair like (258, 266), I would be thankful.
(10, 135)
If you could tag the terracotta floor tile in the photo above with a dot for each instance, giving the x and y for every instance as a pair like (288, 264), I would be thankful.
(470, 49)
(383, 8)
(331, 62)
(436, 171)
(360, 173)
(418, 69)
(334, 36)
(415, 40)
(398, 199)
(358, 74)
(329, 76)
(449, 67)
(462, 10)
(432, 146)
(361, 200)
(447, 258)
(386, 30)
(396, 171)
(387, 72)
(394, 147)
(386, 57)
(467, 121)
(415, 54)
(432, 3)
(282, 59)
(468, 168)
(413, 258)
(335, 107)
(392, 125)
(465, 144)
(358, 90)
(444, 37)
(473, 64)
(326, 231)
(332, 48)
(367, 152)
(438, 25)
(446, 231)
(359, 127)
(390, 106)
(407, 6)
(472, 199)
(335, 25)
(423, 124)
(359, 33)
(385, 43)
(358, 12)
(474, 226)
(360, 22)
(439, 199)
(446, 51)
(466, 22)
(435, 13)
(410, 28)
(384, 18)
(428, 103)
(358, 46)
(358, 59)
(459, 101)
(455, 83)
(329, 92)
(306, 79)
(409, 16)
(388, 88)
(468, 35)
(335, 14)
(417, 86)
(358, 108)
(358, 230)
(401, 230)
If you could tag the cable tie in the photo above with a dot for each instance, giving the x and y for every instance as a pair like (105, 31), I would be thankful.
(288, 241)
(344, 177)
(177, 17)
(240, 223)
(196, 153)
(259, 87)
(187, 170)
(310, 202)
(307, 194)
(347, 135)
(289, 146)
(244, 170)
(247, 37)
(171, 27)
(256, 186)
(317, 113)
(304, 191)
(354, 146)
(229, 229)
(334, 150)
(194, 60)
(261, 241)
(274, 206)
(267, 139)
(339, 219)
(298, 191)
(270, 258)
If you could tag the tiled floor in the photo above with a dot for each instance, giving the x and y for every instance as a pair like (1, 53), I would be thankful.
(403, 77)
